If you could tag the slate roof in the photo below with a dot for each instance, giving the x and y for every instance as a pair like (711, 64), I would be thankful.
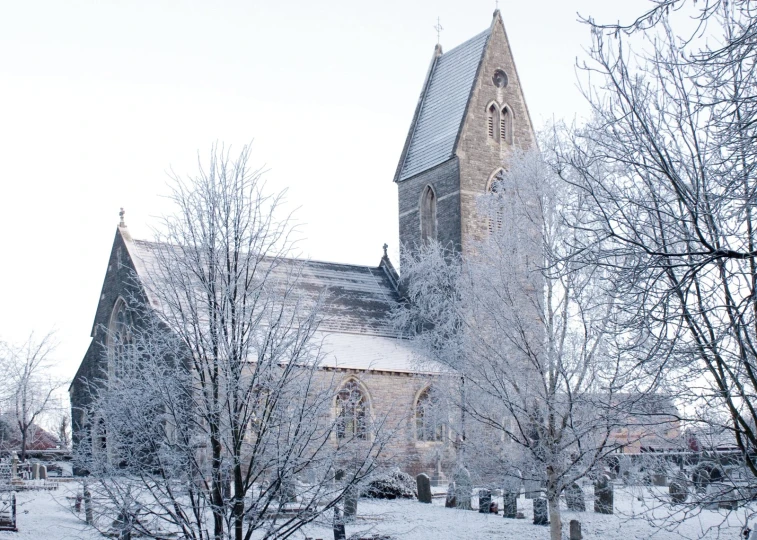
(359, 298)
(442, 107)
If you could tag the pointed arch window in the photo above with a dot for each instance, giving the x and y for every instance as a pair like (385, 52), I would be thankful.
(351, 412)
(496, 187)
(506, 125)
(428, 215)
(428, 422)
(493, 122)
(119, 336)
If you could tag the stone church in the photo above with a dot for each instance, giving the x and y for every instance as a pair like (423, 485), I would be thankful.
(470, 115)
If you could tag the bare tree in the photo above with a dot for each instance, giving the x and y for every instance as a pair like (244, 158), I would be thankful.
(29, 388)
(530, 334)
(668, 160)
(215, 418)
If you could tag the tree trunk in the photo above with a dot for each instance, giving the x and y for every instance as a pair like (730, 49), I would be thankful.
(553, 498)
(23, 443)
(238, 509)
(217, 482)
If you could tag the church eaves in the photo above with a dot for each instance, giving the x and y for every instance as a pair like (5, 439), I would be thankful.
(442, 107)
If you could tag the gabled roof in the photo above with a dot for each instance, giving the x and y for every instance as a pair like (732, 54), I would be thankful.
(358, 298)
(441, 108)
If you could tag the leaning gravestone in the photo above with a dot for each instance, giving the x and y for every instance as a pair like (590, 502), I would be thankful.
(574, 498)
(423, 483)
(541, 516)
(575, 530)
(603, 495)
(451, 500)
(463, 488)
(509, 505)
(484, 501)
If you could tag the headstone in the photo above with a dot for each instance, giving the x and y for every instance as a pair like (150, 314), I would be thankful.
(574, 498)
(339, 531)
(438, 478)
(541, 515)
(5, 473)
(484, 501)
(35, 471)
(463, 488)
(339, 475)
(493, 508)
(423, 482)
(509, 505)
(14, 466)
(659, 479)
(678, 492)
(603, 495)
(88, 506)
(575, 530)
(451, 500)
(43, 472)
(351, 495)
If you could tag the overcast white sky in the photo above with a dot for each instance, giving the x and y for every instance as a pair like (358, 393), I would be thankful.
(99, 98)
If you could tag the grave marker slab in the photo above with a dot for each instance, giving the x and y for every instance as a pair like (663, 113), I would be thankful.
(423, 483)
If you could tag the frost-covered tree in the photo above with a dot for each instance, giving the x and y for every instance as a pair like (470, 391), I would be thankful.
(213, 418)
(668, 159)
(28, 388)
(528, 333)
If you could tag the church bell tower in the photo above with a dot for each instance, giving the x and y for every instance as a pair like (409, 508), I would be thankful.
(470, 116)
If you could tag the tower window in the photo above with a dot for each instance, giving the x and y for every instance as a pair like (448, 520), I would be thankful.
(506, 125)
(428, 215)
(496, 187)
(493, 121)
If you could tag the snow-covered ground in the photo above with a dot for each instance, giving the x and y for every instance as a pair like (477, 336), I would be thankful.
(48, 515)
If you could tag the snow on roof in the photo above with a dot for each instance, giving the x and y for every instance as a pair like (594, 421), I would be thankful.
(443, 106)
(359, 299)
(374, 353)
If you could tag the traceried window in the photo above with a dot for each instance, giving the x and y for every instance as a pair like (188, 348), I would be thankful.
(119, 336)
(429, 425)
(492, 114)
(351, 412)
(428, 215)
(506, 125)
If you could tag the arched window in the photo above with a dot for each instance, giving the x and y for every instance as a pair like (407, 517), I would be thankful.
(496, 187)
(428, 215)
(429, 425)
(506, 125)
(119, 336)
(351, 412)
(493, 121)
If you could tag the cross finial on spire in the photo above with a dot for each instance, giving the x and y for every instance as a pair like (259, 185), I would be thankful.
(121, 215)
(438, 29)
(386, 246)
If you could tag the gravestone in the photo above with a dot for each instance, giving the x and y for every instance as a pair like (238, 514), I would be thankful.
(451, 500)
(575, 530)
(88, 517)
(463, 488)
(438, 478)
(350, 503)
(603, 495)
(35, 471)
(339, 531)
(509, 505)
(678, 492)
(5, 473)
(660, 479)
(339, 475)
(43, 472)
(423, 483)
(14, 466)
(541, 516)
(574, 498)
(484, 501)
